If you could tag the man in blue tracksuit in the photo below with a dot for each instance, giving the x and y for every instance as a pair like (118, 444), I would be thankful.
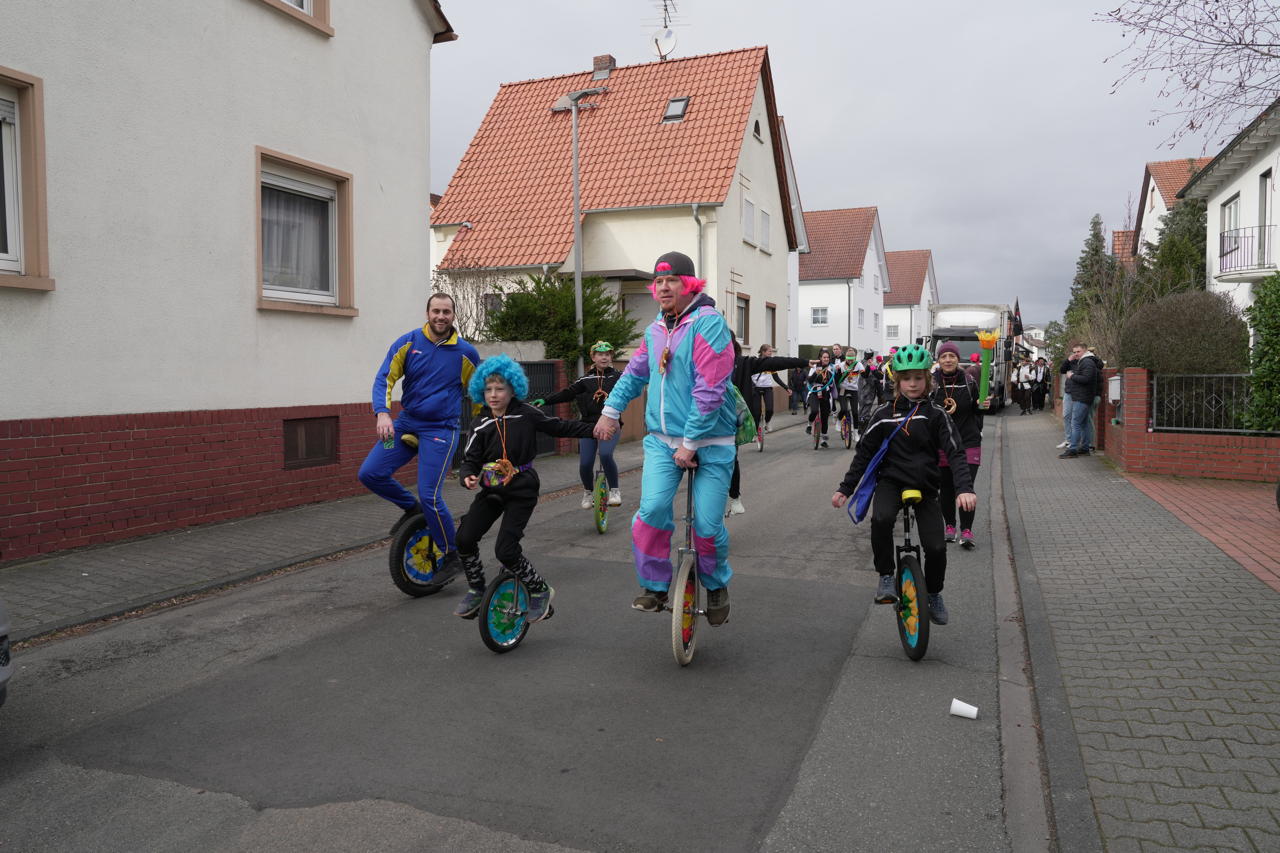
(686, 361)
(435, 366)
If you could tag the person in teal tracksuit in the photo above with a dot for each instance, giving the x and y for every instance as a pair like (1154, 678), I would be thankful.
(435, 365)
(685, 361)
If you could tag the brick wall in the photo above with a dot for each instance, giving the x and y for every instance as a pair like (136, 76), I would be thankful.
(68, 482)
(1188, 454)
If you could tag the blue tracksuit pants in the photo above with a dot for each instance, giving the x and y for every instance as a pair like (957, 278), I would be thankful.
(436, 446)
(653, 524)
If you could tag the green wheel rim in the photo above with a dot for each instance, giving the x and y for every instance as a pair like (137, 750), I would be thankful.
(600, 503)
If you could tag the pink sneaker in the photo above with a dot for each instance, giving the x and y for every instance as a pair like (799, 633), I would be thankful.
(951, 533)
(966, 540)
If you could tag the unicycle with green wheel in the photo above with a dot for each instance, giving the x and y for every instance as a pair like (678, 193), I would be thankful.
(502, 612)
(415, 559)
(600, 502)
(687, 599)
(912, 609)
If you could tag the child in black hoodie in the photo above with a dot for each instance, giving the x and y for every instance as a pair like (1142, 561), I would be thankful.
(499, 461)
(910, 463)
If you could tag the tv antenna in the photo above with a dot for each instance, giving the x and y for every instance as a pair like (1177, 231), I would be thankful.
(663, 40)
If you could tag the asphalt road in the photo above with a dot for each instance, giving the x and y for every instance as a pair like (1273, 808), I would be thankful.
(323, 710)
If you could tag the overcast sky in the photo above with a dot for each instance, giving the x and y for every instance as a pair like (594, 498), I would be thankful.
(984, 131)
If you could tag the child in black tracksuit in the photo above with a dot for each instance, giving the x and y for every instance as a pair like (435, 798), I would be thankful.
(499, 461)
(910, 463)
(950, 383)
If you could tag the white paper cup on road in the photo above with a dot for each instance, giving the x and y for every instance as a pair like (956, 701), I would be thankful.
(963, 709)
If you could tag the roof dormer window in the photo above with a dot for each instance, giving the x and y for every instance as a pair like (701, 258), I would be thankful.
(676, 108)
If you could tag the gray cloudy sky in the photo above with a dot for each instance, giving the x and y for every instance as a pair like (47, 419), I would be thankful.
(984, 131)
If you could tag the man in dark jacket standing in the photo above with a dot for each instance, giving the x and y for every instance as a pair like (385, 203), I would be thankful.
(1081, 385)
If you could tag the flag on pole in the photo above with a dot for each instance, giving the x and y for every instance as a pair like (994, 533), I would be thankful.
(1017, 322)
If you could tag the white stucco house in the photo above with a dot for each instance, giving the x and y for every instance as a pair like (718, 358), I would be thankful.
(843, 279)
(1161, 182)
(1239, 188)
(686, 155)
(209, 240)
(913, 288)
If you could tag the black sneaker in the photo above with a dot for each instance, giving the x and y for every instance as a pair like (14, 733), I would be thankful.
(539, 603)
(718, 605)
(808, 429)
(885, 593)
(650, 601)
(937, 610)
(1068, 454)
(449, 567)
(469, 606)
(404, 519)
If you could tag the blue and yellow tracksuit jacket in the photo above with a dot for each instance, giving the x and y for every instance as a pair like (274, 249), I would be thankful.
(435, 377)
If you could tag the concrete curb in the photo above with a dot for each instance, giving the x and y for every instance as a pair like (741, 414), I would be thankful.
(1074, 825)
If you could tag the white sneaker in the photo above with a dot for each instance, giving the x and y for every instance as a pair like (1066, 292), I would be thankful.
(615, 497)
(768, 428)
(736, 507)
(1062, 445)
(588, 500)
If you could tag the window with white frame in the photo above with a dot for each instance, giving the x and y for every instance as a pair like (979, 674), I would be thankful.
(313, 13)
(891, 331)
(1230, 223)
(742, 319)
(748, 220)
(771, 324)
(817, 316)
(862, 318)
(875, 279)
(10, 214)
(299, 237)
(875, 321)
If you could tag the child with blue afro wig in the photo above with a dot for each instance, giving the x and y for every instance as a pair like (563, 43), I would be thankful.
(502, 365)
(498, 461)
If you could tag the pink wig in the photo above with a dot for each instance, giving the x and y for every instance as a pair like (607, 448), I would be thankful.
(692, 284)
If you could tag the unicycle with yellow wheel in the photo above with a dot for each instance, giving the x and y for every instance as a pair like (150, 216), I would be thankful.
(912, 609)
(415, 559)
(687, 600)
(600, 502)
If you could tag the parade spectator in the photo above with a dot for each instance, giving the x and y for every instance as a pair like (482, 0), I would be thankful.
(1082, 385)
(1064, 370)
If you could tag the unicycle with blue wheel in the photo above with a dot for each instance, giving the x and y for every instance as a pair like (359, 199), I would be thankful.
(502, 613)
(912, 609)
(415, 559)
(600, 502)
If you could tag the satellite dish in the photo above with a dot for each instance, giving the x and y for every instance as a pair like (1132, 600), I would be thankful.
(663, 42)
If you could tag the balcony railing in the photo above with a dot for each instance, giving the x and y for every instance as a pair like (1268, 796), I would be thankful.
(1243, 249)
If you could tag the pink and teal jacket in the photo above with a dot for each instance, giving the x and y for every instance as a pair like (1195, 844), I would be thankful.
(689, 402)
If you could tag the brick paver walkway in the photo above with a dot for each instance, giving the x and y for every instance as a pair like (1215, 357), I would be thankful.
(1169, 653)
(1239, 517)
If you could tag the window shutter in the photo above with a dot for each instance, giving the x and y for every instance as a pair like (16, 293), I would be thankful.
(8, 111)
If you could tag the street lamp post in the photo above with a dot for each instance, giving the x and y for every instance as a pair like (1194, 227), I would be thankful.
(571, 102)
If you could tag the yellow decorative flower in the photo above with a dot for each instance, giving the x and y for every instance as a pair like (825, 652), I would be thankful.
(988, 339)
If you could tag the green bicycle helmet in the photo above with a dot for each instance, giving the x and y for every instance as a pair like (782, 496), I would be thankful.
(912, 357)
(602, 346)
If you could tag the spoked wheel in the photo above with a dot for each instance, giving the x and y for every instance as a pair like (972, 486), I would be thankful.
(760, 437)
(846, 432)
(912, 608)
(685, 595)
(414, 558)
(600, 502)
(502, 622)
(816, 437)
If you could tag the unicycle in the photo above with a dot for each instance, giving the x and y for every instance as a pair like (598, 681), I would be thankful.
(502, 622)
(687, 598)
(846, 430)
(760, 436)
(600, 502)
(912, 609)
(816, 437)
(415, 559)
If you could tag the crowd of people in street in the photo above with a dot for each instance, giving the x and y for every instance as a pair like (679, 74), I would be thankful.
(918, 424)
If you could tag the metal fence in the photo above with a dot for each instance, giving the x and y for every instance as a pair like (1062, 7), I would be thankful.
(1200, 403)
(542, 382)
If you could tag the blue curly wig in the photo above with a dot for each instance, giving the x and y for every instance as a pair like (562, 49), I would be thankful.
(506, 367)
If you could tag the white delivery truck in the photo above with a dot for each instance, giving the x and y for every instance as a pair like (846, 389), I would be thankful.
(960, 324)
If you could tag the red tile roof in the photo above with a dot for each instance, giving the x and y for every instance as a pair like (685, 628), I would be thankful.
(1122, 243)
(907, 271)
(1172, 175)
(837, 242)
(514, 184)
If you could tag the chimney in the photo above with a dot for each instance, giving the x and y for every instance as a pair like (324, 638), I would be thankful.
(602, 65)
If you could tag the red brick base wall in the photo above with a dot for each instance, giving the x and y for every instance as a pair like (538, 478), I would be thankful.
(1187, 454)
(68, 482)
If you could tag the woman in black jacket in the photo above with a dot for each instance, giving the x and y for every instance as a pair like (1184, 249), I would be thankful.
(744, 367)
(957, 394)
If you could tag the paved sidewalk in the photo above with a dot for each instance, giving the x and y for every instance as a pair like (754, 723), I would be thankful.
(74, 587)
(1168, 654)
